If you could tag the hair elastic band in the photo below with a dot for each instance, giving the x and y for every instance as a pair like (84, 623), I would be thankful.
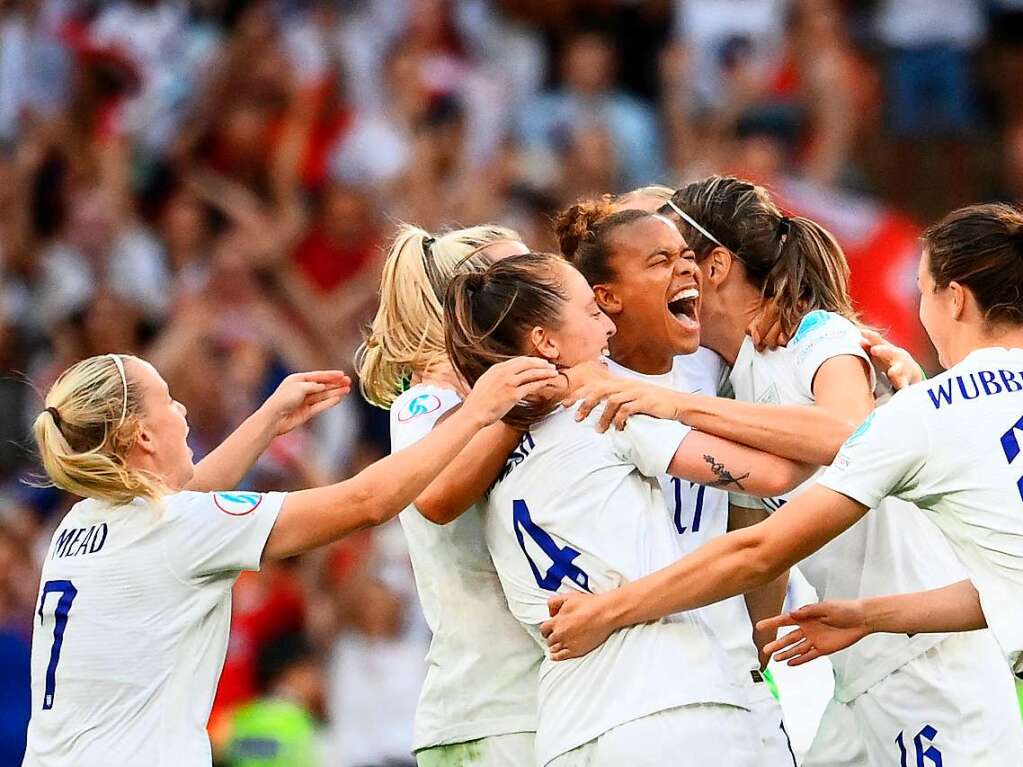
(124, 386)
(692, 222)
(55, 414)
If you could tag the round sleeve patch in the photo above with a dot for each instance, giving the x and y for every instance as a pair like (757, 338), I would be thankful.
(417, 406)
(237, 504)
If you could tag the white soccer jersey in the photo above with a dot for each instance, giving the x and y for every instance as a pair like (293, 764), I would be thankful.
(952, 445)
(578, 510)
(132, 624)
(699, 513)
(482, 667)
(882, 553)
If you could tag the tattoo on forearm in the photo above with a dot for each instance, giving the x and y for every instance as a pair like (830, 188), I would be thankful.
(724, 476)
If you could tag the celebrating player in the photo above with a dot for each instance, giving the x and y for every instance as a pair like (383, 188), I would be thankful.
(478, 703)
(645, 278)
(577, 509)
(969, 277)
(135, 596)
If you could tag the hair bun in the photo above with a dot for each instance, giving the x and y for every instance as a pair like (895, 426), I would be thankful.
(577, 222)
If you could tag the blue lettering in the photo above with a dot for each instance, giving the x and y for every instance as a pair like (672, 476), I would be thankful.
(962, 387)
(518, 455)
(83, 547)
(99, 540)
(73, 543)
(1009, 381)
(987, 380)
(63, 542)
(941, 393)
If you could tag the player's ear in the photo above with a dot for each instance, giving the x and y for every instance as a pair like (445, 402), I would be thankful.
(541, 340)
(144, 441)
(607, 299)
(717, 266)
(959, 296)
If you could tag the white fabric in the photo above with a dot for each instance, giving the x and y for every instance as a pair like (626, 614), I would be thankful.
(983, 728)
(511, 750)
(146, 632)
(482, 665)
(880, 554)
(595, 498)
(704, 733)
(951, 445)
(698, 514)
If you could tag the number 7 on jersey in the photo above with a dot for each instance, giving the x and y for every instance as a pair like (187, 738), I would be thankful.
(67, 592)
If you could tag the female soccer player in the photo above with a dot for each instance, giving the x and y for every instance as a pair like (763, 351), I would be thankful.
(135, 595)
(645, 278)
(581, 510)
(966, 308)
(478, 703)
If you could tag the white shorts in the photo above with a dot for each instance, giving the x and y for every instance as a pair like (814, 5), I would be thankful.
(776, 750)
(511, 750)
(700, 734)
(953, 705)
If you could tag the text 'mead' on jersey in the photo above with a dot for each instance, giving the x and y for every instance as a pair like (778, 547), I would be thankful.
(132, 624)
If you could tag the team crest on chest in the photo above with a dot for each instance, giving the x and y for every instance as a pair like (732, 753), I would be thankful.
(237, 504)
(417, 406)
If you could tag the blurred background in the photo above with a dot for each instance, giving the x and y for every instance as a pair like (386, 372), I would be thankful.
(210, 184)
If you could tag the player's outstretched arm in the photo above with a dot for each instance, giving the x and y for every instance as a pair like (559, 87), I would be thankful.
(717, 462)
(311, 518)
(731, 564)
(827, 627)
(299, 397)
(799, 432)
(469, 475)
(764, 601)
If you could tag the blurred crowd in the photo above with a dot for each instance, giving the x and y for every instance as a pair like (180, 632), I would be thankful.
(211, 183)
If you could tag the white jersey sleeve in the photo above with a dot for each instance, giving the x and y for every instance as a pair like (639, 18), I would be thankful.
(218, 533)
(649, 443)
(417, 417)
(820, 336)
(882, 457)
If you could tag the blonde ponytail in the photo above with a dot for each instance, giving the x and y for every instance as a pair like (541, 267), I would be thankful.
(407, 334)
(89, 424)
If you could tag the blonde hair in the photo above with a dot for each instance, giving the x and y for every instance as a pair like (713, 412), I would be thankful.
(407, 334)
(90, 422)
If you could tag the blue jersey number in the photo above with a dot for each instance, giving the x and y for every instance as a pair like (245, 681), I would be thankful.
(562, 558)
(1010, 446)
(67, 592)
(697, 512)
(925, 757)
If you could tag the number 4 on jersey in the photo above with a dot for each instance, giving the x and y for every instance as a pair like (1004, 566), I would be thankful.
(1010, 446)
(562, 558)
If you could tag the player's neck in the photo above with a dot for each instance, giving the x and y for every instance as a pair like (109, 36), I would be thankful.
(640, 357)
(971, 340)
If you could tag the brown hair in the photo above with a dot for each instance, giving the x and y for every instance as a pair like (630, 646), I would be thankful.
(89, 424)
(584, 233)
(407, 335)
(488, 317)
(981, 248)
(794, 261)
